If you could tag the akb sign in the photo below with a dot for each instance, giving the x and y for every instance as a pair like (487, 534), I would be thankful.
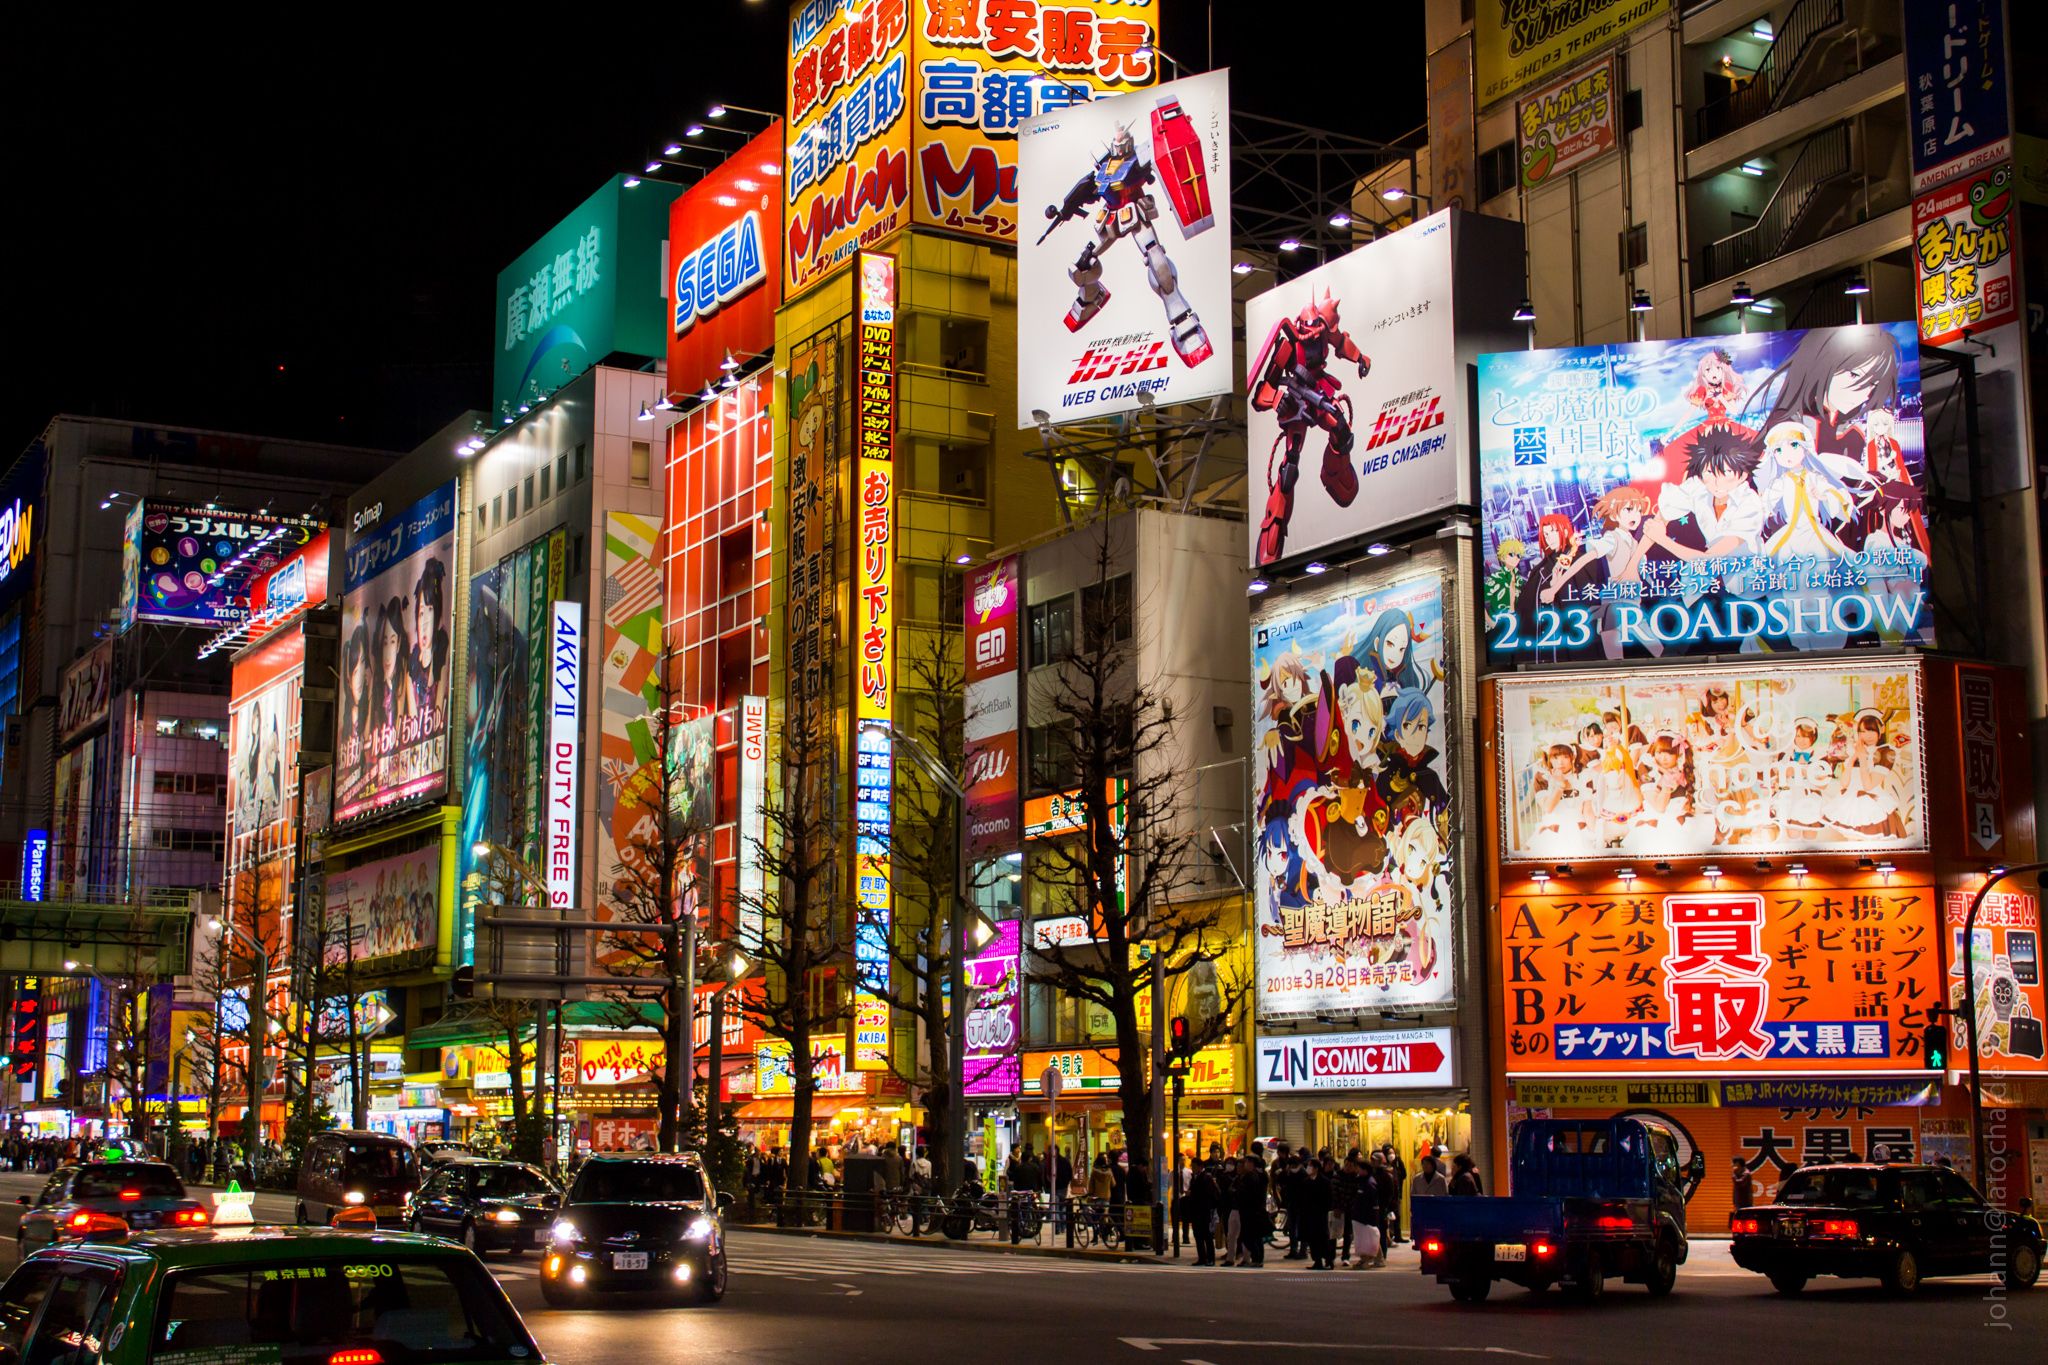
(721, 270)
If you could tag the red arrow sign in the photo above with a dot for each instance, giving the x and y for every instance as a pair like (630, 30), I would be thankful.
(1376, 1059)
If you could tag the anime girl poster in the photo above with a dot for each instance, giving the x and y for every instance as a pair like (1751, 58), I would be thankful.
(1758, 493)
(1692, 761)
(1352, 802)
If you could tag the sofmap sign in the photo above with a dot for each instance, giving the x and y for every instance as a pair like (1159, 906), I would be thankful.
(1956, 88)
(724, 245)
(565, 753)
(593, 285)
(1520, 42)
(1660, 498)
(991, 733)
(1103, 186)
(1410, 1059)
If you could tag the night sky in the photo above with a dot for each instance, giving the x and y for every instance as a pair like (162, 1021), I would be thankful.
(299, 234)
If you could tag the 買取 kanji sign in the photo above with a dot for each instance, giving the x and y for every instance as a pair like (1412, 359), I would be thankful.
(1818, 981)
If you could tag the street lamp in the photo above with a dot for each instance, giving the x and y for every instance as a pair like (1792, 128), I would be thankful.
(544, 1066)
(258, 1024)
(1997, 875)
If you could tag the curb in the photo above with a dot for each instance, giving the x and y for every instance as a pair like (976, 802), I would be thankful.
(983, 1248)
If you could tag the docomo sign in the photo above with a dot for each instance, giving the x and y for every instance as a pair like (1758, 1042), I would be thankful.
(565, 746)
(1411, 1059)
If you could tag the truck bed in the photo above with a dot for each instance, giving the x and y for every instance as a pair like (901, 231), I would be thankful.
(1455, 1219)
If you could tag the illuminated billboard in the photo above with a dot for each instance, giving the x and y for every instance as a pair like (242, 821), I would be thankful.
(995, 1019)
(874, 628)
(1518, 42)
(847, 178)
(724, 250)
(185, 566)
(991, 720)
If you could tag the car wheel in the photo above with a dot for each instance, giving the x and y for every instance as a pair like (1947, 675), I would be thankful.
(1902, 1276)
(554, 1295)
(2022, 1268)
(1471, 1291)
(1788, 1284)
(471, 1242)
(1591, 1285)
(711, 1288)
(299, 1214)
(1663, 1270)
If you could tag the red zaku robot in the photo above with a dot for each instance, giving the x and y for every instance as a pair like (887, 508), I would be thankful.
(1292, 380)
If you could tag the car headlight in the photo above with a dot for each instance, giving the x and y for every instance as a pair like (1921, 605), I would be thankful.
(698, 1231)
(352, 1197)
(506, 1215)
(565, 1231)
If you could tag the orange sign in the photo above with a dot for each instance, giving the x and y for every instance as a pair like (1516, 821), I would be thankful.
(1083, 1069)
(2011, 1013)
(1814, 981)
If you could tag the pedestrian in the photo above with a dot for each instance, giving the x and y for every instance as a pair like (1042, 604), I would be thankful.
(892, 1167)
(1198, 1207)
(1310, 1209)
(1287, 1181)
(1367, 1215)
(1100, 1182)
(1397, 1171)
(1744, 1192)
(1248, 1197)
(1465, 1175)
(1343, 1189)
(1428, 1181)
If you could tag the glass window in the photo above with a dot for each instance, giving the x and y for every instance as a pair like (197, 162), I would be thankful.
(1052, 758)
(150, 1180)
(637, 1182)
(377, 1160)
(579, 463)
(1106, 612)
(512, 502)
(510, 1182)
(1918, 1189)
(640, 463)
(74, 1322)
(1956, 1192)
(1836, 1186)
(1052, 631)
(529, 492)
(25, 1293)
(427, 1308)
(546, 473)
(562, 471)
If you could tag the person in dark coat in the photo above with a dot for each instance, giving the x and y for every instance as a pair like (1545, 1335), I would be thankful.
(1367, 1216)
(1343, 1189)
(1465, 1175)
(1198, 1207)
(1248, 1200)
(1309, 1206)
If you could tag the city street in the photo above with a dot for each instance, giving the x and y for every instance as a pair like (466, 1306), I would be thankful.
(811, 1299)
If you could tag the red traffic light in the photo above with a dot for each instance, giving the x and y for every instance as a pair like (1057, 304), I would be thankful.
(1178, 1025)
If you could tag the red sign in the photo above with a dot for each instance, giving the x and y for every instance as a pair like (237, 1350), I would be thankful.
(296, 585)
(723, 238)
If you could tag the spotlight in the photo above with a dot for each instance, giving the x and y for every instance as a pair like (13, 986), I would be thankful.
(1378, 548)
(963, 559)
(1740, 295)
(1317, 568)
(1340, 219)
(1290, 243)
(673, 149)
(652, 167)
(1241, 267)
(728, 364)
(631, 180)
(645, 415)
(1640, 302)
(1525, 311)
(694, 130)
(1393, 194)
(1256, 586)
(1857, 285)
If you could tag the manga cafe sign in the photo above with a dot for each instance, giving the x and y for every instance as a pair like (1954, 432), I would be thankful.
(1820, 980)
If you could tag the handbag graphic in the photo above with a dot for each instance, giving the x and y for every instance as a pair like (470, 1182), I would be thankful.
(2026, 1039)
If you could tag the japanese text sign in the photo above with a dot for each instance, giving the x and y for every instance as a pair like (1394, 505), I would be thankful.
(1822, 981)
(995, 1019)
(847, 181)
(1567, 124)
(185, 564)
(994, 650)
(1963, 263)
(1956, 96)
(1520, 41)
(2006, 959)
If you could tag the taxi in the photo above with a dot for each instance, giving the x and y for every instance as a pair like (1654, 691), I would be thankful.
(259, 1296)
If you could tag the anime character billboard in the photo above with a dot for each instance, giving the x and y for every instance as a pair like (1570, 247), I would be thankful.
(1763, 492)
(1126, 287)
(1685, 762)
(1353, 804)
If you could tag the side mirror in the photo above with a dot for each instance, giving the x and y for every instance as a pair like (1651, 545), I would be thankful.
(1697, 1167)
(24, 1201)
(724, 1202)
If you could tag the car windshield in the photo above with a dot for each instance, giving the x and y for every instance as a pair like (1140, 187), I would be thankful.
(509, 1182)
(1840, 1188)
(149, 1180)
(637, 1182)
(377, 1161)
(289, 1309)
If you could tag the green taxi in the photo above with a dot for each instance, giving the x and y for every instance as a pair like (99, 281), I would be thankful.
(259, 1296)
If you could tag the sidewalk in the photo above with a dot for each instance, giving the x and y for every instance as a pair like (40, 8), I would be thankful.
(1403, 1257)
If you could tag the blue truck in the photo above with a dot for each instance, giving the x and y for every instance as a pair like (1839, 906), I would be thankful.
(1593, 1198)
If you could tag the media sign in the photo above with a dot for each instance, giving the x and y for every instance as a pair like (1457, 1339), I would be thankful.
(724, 255)
(1567, 124)
(1409, 1059)
(1963, 259)
(847, 99)
(21, 497)
(564, 822)
(25, 1049)
(295, 585)
(1518, 42)
(994, 650)
(35, 864)
(86, 688)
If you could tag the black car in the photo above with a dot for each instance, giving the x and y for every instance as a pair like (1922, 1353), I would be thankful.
(638, 1222)
(487, 1205)
(1894, 1223)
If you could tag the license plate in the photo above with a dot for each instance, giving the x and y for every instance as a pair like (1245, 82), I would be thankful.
(629, 1260)
(142, 1220)
(386, 1210)
(1792, 1227)
(1510, 1251)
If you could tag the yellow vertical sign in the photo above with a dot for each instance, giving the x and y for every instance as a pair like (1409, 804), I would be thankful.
(874, 650)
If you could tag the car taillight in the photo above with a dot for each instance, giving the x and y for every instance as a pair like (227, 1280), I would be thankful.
(189, 1218)
(130, 1196)
(1431, 1246)
(361, 1355)
(87, 1223)
(1613, 1220)
(1542, 1250)
(1742, 1225)
(1838, 1227)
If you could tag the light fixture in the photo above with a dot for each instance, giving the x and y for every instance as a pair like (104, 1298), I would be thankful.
(1525, 311)
(1856, 285)
(1752, 167)
(1627, 875)
(694, 130)
(645, 415)
(1763, 306)
(1340, 219)
(1241, 267)
(1740, 295)
(1393, 194)
(1378, 548)
(1290, 243)
(708, 393)
(1762, 29)
(1796, 869)
(728, 364)
(631, 181)
(70, 964)
(673, 149)
(1663, 867)
(525, 408)
(1712, 872)
(1562, 869)
(1639, 302)
(662, 404)
(1763, 864)
(1996, 872)
(729, 382)
(715, 111)
(1885, 870)
(1540, 877)
(1318, 567)
(1256, 586)
(1016, 876)
(651, 168)
(963, 559)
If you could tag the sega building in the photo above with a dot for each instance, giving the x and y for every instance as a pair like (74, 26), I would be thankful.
(1737, 808)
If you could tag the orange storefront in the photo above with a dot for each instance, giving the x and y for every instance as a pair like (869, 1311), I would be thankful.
(1731, 898)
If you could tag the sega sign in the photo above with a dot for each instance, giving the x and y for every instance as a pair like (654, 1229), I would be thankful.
(719, 271)
(1404, 1059)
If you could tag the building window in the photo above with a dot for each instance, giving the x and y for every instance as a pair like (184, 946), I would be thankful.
(640, 464)
(1106, 612)
(546, 473)
(512, 502)
(1635, 248)
(576, 553)
(736, 561)
(498, 511)
(579, 463)
(562, 472)
(1052, 758)
(529, 492)
(1052, 631)
(1497, 170)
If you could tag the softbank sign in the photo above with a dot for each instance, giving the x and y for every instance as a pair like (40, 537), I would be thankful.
(994, 819)
(565, 751)
(1408, 1059)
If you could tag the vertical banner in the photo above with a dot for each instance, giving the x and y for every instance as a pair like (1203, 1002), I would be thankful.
(2006, 960)
(25, 1049)
(991, 724)
(565, 753)
(1963, 260)
(630, 696)
(1983, 784)
(875, 652)
(1956, 88)
(753, 828)
(35, 862)
(848, 99)
(1453, 147)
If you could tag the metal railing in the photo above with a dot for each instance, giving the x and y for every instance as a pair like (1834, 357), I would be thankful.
(1823, 160)
(1016, 1218)
(1806, 23)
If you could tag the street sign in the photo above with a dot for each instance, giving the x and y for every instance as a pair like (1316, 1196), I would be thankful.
(1050, 1082)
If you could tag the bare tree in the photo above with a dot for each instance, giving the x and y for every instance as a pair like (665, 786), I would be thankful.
(663, 877)
(806, 919)
(1131, 862)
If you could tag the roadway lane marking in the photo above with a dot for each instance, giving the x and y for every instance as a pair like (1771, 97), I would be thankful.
(1158, 1343)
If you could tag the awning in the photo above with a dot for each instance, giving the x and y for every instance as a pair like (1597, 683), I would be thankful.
(1358, 1101)
(784, 1107)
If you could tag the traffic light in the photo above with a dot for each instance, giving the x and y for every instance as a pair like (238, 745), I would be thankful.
(463, 986)
(1183, 1041)
(1934, 1046)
